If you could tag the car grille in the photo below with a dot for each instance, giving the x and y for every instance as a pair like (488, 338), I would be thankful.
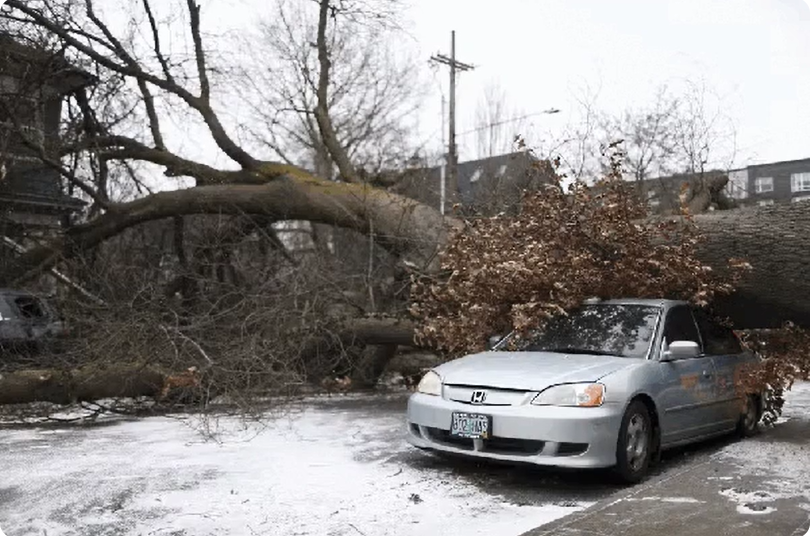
(494, 397)
(497, 445)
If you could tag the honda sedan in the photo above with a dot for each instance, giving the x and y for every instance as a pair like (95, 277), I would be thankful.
(611, 384)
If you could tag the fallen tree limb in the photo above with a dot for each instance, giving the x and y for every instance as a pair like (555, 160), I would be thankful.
(79, 385)
(409, 229)
(317, 352)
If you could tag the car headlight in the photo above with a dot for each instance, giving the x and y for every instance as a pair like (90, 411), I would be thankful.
(431, 384)
(586, 395)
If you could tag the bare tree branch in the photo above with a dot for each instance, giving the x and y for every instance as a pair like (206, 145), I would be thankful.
(156, 42)
(327, 130)
(199, 54)
(128, 67)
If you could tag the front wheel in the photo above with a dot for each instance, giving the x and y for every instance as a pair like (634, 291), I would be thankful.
(635, 444)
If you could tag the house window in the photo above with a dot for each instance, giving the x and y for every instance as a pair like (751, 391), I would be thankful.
(800, 198)
(765, 202)
(737, 186)
(800, 182)
(502, 170)
(763, 185)
(475, 176)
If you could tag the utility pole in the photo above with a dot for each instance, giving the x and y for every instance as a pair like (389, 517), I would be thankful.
(452, 153)
(442, 171)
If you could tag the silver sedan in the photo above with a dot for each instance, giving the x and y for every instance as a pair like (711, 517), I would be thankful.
(612, 384)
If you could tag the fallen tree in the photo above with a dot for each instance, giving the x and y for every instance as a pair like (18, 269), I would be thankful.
(775, 240)
(80, 385)
(410, 230)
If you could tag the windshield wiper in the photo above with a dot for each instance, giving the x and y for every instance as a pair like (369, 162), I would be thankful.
(571, 350)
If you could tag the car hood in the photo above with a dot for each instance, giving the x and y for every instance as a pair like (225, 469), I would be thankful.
(529, 371)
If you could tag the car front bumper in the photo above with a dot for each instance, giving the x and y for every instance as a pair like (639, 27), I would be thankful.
(540, 435)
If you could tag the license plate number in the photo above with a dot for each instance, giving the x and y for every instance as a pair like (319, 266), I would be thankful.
(470, 425)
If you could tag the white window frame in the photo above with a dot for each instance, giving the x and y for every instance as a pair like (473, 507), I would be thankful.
(800, 182)
(737, 186)
(476, 176)
(765, 202)
(763, 185)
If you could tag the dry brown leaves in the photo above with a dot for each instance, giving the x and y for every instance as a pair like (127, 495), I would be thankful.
(505, 273)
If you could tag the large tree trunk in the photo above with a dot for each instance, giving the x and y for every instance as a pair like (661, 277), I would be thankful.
(776, 241)
(87, 384)
(411, 230)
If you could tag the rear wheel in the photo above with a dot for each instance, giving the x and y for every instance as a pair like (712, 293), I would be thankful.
(748, 424)
(634, 448)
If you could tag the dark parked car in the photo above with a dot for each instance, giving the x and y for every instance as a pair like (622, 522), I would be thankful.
(27, 322)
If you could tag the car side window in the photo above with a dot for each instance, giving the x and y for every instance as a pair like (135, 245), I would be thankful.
(680, 326)
(718, 339)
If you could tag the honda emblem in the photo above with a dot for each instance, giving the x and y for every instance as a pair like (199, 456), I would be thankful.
(478, 397)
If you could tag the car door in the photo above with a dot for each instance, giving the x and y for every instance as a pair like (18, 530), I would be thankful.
(728, 355)
(688, 398)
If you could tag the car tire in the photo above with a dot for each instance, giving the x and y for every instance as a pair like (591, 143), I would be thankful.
(634, 449)
(748, 425)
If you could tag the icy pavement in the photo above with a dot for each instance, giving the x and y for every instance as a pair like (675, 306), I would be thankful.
(340, 467)
(325, 471)
(746, 488)
(779, 459)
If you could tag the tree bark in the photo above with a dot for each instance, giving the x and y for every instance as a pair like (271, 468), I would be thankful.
(65, 387)
(409, 229)
(775, 240)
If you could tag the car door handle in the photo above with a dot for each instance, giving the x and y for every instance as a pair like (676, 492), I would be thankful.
(707, 374)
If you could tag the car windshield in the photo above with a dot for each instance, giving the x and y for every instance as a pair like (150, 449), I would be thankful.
(601, 329)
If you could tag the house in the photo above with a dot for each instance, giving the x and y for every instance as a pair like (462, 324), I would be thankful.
(486, 186)
(33, 86)
(758, 184)
(664, 195)
(765, 184)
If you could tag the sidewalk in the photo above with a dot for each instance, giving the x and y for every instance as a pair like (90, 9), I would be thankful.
(760, 486)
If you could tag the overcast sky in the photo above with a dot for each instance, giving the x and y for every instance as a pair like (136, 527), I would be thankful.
(753, 54)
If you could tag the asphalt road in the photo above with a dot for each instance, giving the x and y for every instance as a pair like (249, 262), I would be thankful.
(524, 484)
(340, 464)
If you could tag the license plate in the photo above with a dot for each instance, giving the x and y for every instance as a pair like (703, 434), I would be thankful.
(470, 425)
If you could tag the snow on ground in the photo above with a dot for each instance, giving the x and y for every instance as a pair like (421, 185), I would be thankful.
(318, 472)
(780, 456)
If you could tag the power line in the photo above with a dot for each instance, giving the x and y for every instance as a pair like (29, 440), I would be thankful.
(512, 120)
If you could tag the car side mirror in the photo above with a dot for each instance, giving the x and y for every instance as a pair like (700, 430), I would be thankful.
(681, 350)
(493, 341)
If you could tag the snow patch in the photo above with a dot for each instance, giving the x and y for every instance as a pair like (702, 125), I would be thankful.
(317, 471)
(750, 502)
